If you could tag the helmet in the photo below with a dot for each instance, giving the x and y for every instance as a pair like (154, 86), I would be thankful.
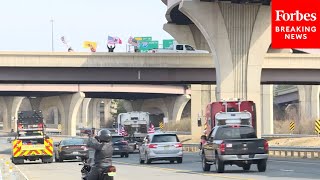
(104, 135)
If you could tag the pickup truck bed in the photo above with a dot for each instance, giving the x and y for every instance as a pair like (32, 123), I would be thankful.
(228, 145)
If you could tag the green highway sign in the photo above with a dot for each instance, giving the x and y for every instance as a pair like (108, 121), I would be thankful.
(143, 38)
(168, 43)
(145, 46)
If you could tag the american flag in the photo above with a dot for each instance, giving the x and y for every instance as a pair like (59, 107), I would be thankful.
(63, 40)
(114, 40)
(123, 132)
(151, 129)
(132, 41)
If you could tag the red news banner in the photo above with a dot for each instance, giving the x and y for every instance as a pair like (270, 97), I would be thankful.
(295, 23)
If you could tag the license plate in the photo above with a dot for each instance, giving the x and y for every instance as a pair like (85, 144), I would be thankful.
(116, 148)
(166, 147)
(245, 156)
(75, 152)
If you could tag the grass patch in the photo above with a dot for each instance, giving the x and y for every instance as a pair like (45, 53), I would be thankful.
(182, 125)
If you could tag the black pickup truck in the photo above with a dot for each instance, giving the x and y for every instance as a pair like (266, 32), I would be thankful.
(234, 145)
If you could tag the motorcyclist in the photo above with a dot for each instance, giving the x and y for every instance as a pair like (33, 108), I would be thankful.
(102, 155)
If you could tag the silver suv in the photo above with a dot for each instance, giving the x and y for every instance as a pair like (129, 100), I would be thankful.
(161, 146)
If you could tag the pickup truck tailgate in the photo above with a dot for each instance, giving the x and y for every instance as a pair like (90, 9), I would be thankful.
(244, 146)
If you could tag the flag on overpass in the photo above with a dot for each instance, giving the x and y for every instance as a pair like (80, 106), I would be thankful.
(132, 41)
(114, 40)
(91, 45)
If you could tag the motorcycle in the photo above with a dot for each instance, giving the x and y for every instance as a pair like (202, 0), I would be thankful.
(107, 174)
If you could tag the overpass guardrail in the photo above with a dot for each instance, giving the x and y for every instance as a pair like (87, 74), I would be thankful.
(275, 151)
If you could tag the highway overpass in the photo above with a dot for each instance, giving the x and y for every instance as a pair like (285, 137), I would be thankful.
(138, 68)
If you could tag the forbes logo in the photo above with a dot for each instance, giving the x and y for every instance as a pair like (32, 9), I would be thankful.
(281, 15)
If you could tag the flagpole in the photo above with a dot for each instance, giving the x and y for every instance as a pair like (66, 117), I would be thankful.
(52, 48)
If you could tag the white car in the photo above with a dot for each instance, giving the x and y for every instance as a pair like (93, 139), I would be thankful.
(161, 146)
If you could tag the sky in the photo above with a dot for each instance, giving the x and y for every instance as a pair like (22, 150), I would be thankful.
(25, 25)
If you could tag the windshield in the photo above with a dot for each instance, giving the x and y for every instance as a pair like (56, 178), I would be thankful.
(165, 138)
(117, 138)
(73, 142)
(237, 132)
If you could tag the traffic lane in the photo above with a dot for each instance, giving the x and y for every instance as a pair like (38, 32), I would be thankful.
(277, 168)
(38, 171)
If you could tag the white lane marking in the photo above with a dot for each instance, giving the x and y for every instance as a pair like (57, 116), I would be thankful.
(287, 170)
(295, 162)
(22, 173)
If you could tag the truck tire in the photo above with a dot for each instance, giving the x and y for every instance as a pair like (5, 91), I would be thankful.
(262, 165)
(219, 165)
(246, 167)
(205, 165)
(17, 160)
(126, 155)
(47, 160)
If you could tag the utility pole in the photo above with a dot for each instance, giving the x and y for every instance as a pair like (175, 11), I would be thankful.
(52, 46)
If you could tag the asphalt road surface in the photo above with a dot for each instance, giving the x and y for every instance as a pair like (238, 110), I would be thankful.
(190, 169)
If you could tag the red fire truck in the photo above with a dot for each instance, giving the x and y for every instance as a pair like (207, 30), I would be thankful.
(230, 112)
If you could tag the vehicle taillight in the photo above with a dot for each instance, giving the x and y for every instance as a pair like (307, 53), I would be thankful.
(19, 126)
(222, 147)
(153, 145)
(178, 145)
(266, 145)
(112, 169)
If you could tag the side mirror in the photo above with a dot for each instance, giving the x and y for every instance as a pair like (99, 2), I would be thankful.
(199, 122)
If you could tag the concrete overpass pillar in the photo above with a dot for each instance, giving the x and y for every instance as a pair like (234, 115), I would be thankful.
(55, 116)
(309, 102)
(267, 109)
(107, 111)
(188, 34)
(94, 110)
(201, 96)
(35, 103)
(13, 104)
(179, 105)
(4, 115)
(85, 111)
(71, 104)
(238, 36)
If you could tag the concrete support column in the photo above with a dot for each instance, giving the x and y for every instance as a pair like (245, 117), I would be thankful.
(71, 104)
(85, 111)
(309, 102)
(238, 36)
(13, 104)
(94, 113)
(179, 105)
(4, 114)
(200, 98)
(107, 111)
(35, 103)
(55, 116)
(267, 109)
(128, 105)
